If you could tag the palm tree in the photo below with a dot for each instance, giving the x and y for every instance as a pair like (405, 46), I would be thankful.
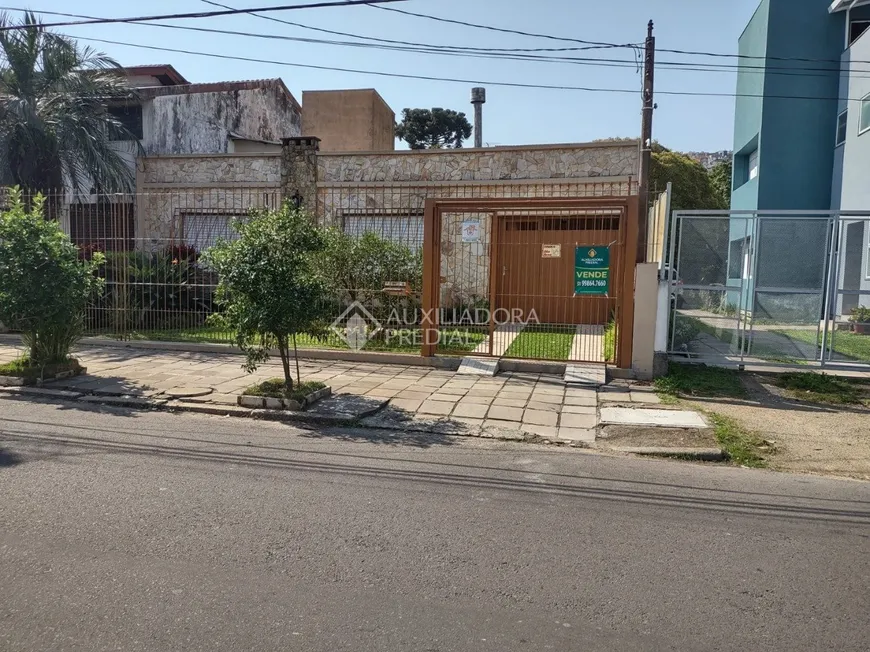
(55, 125)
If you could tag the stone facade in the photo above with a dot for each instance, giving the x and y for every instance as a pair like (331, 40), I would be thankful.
(382, 192)
(191, 198)
(497, 163)
(299, 170)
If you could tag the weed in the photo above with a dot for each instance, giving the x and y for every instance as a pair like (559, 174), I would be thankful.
(742, 446)
(821, 388)
(700, 380)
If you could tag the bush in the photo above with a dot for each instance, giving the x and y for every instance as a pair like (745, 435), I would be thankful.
(44, 284)
(860, 315)
(357, 269)
(269, 285)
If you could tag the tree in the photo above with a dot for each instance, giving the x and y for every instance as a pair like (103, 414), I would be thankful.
(720, 177)
(44, 284)
(433, 129)
(269, 286)
(693, 188)
(54, 119)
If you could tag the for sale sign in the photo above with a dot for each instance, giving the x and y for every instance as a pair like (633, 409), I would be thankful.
(592, 270)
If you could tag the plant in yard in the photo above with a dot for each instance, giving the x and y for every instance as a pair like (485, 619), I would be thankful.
(860, 318)
(359, 267)
(270, 287)
(44, 284)
(55, 120)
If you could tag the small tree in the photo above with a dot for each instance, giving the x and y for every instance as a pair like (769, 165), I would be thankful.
(720, 177)
(269, 287)
(433, 128)
(44, 284)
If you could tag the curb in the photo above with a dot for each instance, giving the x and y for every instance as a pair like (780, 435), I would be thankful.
(700, 454)
(288, 416)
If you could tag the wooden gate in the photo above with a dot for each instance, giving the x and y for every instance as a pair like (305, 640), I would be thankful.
(517, 261)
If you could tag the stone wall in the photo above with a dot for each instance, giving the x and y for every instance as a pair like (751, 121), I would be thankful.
(496, 163)
(180, 194)
(210, 169)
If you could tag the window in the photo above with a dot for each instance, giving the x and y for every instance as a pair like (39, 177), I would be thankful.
(867, 251)
(857, 29)
(842, 127)
(400, 227)
(103, 226)
(130, 118)
(864, 117)
(753, 164)
(203, 230)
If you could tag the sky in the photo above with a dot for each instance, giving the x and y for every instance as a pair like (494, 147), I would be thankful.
(512, 116)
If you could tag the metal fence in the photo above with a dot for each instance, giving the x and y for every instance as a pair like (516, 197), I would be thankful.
(770, 286)
(157, 286)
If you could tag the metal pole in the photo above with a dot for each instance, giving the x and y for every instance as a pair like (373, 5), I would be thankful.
(646, 141)
(833, 264)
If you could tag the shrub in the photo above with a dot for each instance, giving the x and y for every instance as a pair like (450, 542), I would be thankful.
(358, 268)
(44, 284)
(269, 285)
(860, 315)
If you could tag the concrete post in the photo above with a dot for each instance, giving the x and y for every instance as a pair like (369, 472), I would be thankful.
(299, 171)
(645, 313)
(478, 98)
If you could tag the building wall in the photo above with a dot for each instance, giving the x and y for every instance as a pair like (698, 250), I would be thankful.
(800, 110)
(749, 107)
(201, 123)
(172, 188)
(348, 120)
(851, 182)
(376, 191)
(497, 163)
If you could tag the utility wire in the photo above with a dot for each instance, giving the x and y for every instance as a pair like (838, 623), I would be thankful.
(514, 31)
(201, 14)
(560, 38)
(381, 73)
(486, 53)
(386, 40)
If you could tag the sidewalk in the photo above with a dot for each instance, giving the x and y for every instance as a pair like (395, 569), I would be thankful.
(510, 405)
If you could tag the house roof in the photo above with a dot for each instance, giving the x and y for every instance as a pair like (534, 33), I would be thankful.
(277, 83)
(166, 73)
(843, 5)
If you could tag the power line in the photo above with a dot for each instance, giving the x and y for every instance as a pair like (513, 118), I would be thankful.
(510, 31)
(498, 54)
(614, 45)
(201, 14)
(386, 40)
(381, 73)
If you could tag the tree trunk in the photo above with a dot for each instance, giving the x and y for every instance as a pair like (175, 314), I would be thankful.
(284, 350)
(296, 356)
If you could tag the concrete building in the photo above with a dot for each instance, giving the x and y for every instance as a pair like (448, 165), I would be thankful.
(796, 146)
(349, 120)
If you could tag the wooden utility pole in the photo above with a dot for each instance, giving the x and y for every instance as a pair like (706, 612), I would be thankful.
(649, 62)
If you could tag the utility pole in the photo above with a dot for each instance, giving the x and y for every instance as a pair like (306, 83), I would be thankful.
(649, 62)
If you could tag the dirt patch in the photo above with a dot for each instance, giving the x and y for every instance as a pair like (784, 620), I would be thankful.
(643, 437)
(808, 437)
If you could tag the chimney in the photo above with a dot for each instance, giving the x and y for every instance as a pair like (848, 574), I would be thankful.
(478, 99)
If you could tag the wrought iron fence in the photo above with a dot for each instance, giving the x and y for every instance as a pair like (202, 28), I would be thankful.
(157, 286)
(770, 286)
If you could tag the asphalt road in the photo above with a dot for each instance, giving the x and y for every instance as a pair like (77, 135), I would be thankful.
(149, 531)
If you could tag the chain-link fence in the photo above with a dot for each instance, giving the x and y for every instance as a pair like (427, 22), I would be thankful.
(777, 286)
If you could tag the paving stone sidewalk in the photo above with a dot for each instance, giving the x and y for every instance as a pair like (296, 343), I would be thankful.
(404, 397)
